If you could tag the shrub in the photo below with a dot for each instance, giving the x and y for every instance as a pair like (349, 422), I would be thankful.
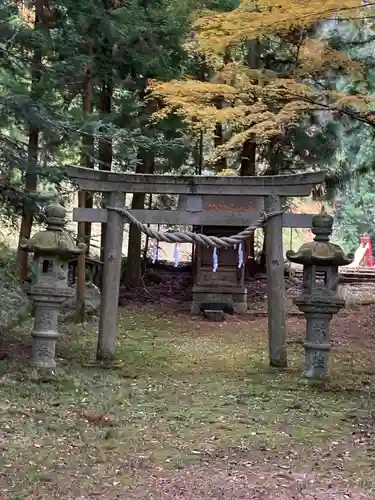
(12, 295)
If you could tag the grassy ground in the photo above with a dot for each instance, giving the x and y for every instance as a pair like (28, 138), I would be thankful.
(188, 396)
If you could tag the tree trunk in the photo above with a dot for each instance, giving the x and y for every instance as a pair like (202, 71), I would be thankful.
(201, 151)
(248, 158)
(248, 167)
(249, 149)
(221, 164)
(198, 154)
(31, 185)
(87, 152)
(105, 104)
(85, 200)
(31, 176)
(105, 147)
(133, 273)
(199, 164)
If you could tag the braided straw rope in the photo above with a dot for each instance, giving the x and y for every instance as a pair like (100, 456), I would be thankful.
(202, 239)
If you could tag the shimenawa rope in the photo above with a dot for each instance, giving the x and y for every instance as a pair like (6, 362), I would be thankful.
(202, 239)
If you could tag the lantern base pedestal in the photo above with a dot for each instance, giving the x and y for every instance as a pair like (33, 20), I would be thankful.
(317, 358)
(43, 350)
(234, 299)
(47, 303)
(318, 313)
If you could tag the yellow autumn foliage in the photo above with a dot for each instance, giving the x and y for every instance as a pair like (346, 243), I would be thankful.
(26, 13)
(317, 57)
(216, 31)
(258, 104)
(252, 111)
(262, 110)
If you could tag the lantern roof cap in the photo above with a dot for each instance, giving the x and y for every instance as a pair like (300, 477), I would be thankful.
(54, 240)
(321, 250)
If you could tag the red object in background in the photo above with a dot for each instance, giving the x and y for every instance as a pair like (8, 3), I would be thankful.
(368, 258)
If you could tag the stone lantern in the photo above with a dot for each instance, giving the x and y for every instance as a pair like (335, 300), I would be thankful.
(52, 249)
(319, 300)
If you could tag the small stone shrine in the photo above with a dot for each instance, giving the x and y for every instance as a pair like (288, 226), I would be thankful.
(52, 250)
(222, 286)
(319, 299)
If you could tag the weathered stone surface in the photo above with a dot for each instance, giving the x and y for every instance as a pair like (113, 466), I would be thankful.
(111, 281)
(319, 299)
(54, 238)
(284, 185)
(320, 251)
(275, 285)
(52, 249)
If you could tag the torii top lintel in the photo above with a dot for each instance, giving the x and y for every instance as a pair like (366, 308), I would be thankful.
(282, 185)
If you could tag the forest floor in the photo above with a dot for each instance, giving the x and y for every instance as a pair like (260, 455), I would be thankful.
(190, 412)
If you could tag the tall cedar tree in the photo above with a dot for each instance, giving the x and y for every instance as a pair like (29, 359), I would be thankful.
(74, 108)
(156, 52)
(26, 109)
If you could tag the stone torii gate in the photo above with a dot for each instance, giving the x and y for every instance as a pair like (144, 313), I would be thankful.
(272, 188)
